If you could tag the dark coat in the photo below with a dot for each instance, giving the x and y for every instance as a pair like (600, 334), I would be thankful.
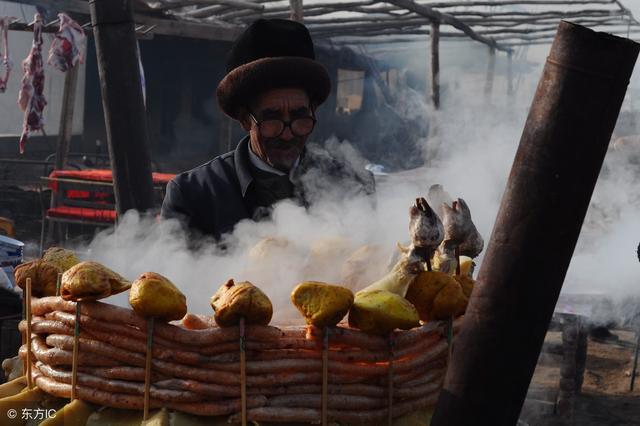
(212, 198)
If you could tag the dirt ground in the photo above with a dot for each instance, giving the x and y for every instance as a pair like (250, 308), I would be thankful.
(605, 399)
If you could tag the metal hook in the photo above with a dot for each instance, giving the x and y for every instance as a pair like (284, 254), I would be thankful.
(52, 23)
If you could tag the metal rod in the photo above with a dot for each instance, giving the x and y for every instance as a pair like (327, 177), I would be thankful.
(547, 195)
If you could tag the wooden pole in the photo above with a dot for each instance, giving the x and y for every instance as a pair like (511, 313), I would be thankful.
(74, 358)
(66, 117)
(491, 68)
(27, 305)
(435, 64)
(147, 368)
(65, 133)
(243, 373)
(510, 73)
(297, 12)
(325, 375)
(124, 111)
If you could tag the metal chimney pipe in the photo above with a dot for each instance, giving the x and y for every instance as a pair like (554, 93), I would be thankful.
(552, 178)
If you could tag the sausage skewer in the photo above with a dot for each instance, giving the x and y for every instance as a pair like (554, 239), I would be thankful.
(27, 305)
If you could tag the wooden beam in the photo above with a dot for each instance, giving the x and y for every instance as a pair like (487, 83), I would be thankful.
(164, 26)
(492, 3)
(510, 73)
(435, 65)
(203, 12)
(124, 110)
(557, 13)
(296, 10)
(491, 68)
(444, 18)
(484, 20)
(370, 25)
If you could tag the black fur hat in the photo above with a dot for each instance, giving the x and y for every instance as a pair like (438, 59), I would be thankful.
(270, 54)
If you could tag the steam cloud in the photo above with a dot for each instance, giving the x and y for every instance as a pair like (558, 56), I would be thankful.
(470, 155)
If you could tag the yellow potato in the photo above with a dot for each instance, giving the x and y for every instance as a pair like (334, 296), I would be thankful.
(43, 277)
(91, 281)
(449, 302)
(381, 311)
(448, 264)
(322, 304)
(74, 413)
(61, 257)
(466, 282)
(423, 290)
(13, 387)
(467, 266)
(233, 301)
(157, 418)
(153, 295)
(108, 416)
(30, 400)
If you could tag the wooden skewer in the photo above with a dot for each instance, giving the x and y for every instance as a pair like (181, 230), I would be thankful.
(58, 284)
(450, 337)
(74, 360)
(457, 253)
(390, 380)
(27, 305)
(243, 374)
(429, 267)
(147, 367)
(325, 374)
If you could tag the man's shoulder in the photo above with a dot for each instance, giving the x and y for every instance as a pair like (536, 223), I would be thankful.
(216, 168)
(217, 171)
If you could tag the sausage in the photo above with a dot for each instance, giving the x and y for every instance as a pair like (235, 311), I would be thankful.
(339, 402)
(133, 402)
(310, 415)
(55, 356)
(117, 386)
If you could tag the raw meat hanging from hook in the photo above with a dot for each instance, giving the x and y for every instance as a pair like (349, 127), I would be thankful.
(6, 60)
(67, 48)
(31, 97)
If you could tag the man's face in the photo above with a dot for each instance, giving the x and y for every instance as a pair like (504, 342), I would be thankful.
(280, 151)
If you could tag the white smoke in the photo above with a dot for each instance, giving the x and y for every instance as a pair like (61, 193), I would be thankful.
(475, 141)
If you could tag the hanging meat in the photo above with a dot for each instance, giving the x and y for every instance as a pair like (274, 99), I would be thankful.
(67, 49)
(6, 61)
(31, 97)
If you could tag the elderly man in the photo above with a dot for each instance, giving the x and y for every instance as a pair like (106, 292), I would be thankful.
(272, 87)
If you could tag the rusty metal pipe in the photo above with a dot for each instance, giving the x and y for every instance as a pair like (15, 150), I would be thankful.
(550, 185)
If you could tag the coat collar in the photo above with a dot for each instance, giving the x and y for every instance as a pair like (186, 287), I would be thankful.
(241, 162)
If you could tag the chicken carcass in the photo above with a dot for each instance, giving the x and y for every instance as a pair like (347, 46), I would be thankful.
(460, 234)
(67, 49)
(6, 61)
(425, 227)
(31, 97)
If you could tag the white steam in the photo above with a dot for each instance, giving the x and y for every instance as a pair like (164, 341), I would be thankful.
(475, 142)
